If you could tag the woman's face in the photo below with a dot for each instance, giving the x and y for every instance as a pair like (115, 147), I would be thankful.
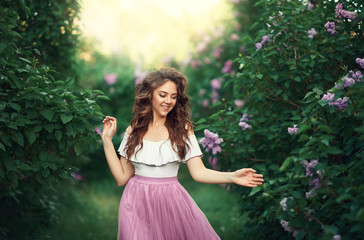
(164, 98)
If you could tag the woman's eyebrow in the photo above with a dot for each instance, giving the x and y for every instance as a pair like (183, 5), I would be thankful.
(167, 92)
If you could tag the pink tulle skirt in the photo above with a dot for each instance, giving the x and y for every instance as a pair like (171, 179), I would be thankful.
(160, 209)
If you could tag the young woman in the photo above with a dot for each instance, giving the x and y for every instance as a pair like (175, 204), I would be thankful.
(154, 205)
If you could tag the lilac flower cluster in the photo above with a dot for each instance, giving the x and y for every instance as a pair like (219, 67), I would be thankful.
(315, 177)
(283, 203)
(293, 130)
(312, 33)
(260, 44)
(211, 141)
(243, 123)
(215, 86)
(340, 13)
(288, 228)
(336, 237)
(227, 66)
(340, 103)
(310, 6)
(110, 78)
(330, 27)
(357, 76)
(214, 163)
(360, 61)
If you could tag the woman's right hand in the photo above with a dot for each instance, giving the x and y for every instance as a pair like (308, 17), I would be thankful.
(109, 128)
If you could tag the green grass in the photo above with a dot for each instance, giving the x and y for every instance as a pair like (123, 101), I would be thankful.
(89, 210)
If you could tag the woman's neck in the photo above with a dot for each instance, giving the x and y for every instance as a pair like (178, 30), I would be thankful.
(157, 122)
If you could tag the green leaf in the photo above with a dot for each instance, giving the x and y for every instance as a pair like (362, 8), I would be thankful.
(333, 150)
(58, 135)
(286, 163)
(18, 138)
(37, 51)
(200, 121)
(15, 106)
(47, 114)
(79, 148)
(254, 191)
(303, 128)
(25, 60)
(96, 91)
(103, 97)
(2, 147)
(31, 136)
(66, 118)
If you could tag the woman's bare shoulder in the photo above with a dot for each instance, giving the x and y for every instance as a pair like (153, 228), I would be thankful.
(128, 130)
(189, 128)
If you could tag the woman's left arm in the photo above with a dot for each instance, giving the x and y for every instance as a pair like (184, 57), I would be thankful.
(244, 177)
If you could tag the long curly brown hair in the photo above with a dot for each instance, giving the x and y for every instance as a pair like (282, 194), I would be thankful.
(178, 120)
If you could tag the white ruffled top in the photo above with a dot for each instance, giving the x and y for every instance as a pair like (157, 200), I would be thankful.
(159, 159)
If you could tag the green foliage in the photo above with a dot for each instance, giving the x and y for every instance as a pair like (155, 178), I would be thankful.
(282, 85)
(51, 27)
(94, 68)
(214, 58)
(44, 127)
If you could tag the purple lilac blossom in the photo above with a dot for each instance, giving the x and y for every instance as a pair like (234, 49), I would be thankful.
(235, 37)
(340, 13)
(310, 6)
(98, 130)
(217, 52)
(286, 226)
(205, 102)
(338, 10)
(312, 33)
(216, 83)
(207, 60)
(227, 66)
(330, 27)
(245, 125)
(310, 194)
(336, 237)
(356, 75)
(259, 45)
(78, 176)
(110, 78)
(283, 203)
(329, 97)
(346, 82)
(202, 92)
(360, 61)
(211, 142)
(239, 102)
(214, 96)
(309, 166)
(315, 183)
(341, 103)
(349, 15)
(244, 118)
(293, 130)
(265, 39)
(214, 163)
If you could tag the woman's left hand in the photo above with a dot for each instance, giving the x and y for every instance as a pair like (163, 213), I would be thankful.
(247, 177)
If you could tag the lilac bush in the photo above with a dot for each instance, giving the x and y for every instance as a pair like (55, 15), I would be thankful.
(301, 65)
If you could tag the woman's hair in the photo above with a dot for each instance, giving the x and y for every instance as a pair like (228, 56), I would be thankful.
(178, 120)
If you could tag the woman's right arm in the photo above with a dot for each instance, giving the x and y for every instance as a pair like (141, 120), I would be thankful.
(121, 169)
